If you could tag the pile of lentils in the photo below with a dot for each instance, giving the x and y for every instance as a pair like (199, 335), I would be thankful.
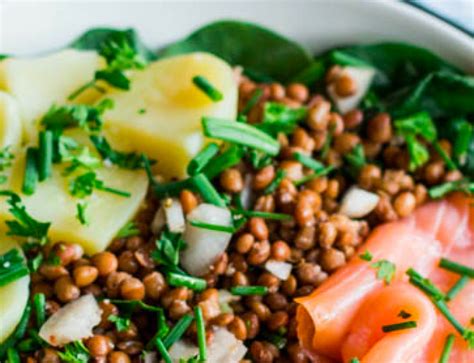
(316, 242)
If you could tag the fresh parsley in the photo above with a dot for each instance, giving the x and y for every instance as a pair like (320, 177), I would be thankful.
(366, 256)
(78, 156)
(167, 249)
(128, 230)
(121, 323)
(441, 190)
(385, 270)
(124, 160)
(84, 185)
(281, 118)
(356, 160)
(81, 213)
(12, 266)
(6, 158)
(75, 352)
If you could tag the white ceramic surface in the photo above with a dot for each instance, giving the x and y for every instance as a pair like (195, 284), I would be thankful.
(29, 27)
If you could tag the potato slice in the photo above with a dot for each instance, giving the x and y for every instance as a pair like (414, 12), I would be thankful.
(161, 114)
(13, 297)
(37, 83)
(107, 212)
(10, 122)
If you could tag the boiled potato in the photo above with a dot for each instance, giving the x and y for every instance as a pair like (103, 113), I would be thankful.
(161, 114)
(37, 83)
(10, 122)
(13, 297)
(106, 212)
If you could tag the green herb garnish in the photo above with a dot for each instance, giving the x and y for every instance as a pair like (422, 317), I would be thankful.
(39, 303)
(253, 100)
(447, 160)
(227, 159)
(313, 176)
(280, 175)
(356, 159)
(441, 190)
(75, 352)
(248, 290)
(84, 185)
(202, 159)
(45, 154)
(201, 333)
(202, 184)
(163, 351)
(403, 314)
(121, 323)
(81, 213)
(399, 326)
(212, 227)
(6, 158)
(178, 330)
(366, 256)
(128, 230)
(191, 282)
(206, 87)
(30, 179)
(124, 160)
(385, 270)
(167, 249)
(308, 161)
(456, 267)
(457, 287)
(448, 346)
(281, 118)
(12, 266)
(265, 215)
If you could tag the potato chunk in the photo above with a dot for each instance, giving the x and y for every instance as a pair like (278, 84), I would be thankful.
(10, 122)
(161, 114)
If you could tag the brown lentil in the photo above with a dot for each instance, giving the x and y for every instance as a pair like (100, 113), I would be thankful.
(379, 128)
(106, 262)
(345, 86)
(118, 357)
(132, 289)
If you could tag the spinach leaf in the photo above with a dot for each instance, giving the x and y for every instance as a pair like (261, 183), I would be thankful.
(93, 39)
(263, 53)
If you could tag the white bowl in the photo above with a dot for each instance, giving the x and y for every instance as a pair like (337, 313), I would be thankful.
(31, 27)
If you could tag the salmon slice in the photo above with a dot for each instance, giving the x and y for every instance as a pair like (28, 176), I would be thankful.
(435, 230)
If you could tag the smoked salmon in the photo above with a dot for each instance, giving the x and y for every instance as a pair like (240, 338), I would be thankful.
(343, 318)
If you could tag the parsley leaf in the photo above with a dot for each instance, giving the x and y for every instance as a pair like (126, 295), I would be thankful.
(12, 266)
(366, 256)
(6, 158)
(84, 185)
(281, 118)
(128, 230)
(385, 270)
(24, 225)
(121, 323)
(75, 352)
(122, 159)
(81, 213)
(167, 249)
(441, 190)
(78, 156)
(356, 159)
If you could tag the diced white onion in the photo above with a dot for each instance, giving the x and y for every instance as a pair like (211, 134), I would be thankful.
(225, 298)
(280, 269)
(150, 357)
(358, 202)
(224, 348)
(204, 246)
(159, 221)
(174, 215)
(247, 195)
(362, 76)
(74, 321)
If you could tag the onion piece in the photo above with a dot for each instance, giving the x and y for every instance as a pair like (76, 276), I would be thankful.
(74, 321)
(362, 76)
(357, 202)
(280, 269)
(204, 246)
(159, 221)
(224, 348)
(150, 357)
(247, 195)
(225, 298)
(174, 215)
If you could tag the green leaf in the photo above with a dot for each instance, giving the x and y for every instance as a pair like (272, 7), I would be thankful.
(128, 230)
(419, 124)
(121, 323)
(12, 266)
(385, 270)
(93, 39)
(124, 160)
(6, 158)
(81, 213)
(167, 249)
(239, 42)
(75, 352)
(280, 118)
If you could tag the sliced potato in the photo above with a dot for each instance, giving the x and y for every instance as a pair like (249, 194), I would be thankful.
(107, 212)
(13, 297)
(37, 83)
(10, 122)
(161, 114)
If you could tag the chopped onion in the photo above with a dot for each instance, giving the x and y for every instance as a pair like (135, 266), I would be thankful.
(224, 348)
(362, 76)
(150, 357)
(174, 215)
(358, 202)
(159, 221)
(204, 246)
(74, 321)
(246, 195)
(280, 269)
(225, 298)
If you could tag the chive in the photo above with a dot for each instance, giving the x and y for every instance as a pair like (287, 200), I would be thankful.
(204, 85)
(448, 345)
(28, 345)
(403, 314)
(193, 283)
(45, 156)
(457, 287)
(327, 142)
(13, 356)
(198, 163)
(207, 190)
(241, 134)
(12, 266)
(212, 227)
(31, 171)
(425, 284)
(456, 267)
(280, 175)
(447, 160)
(178, 330)
(399, 326)
(163, 351)
(230, 157)
(443, 308)
(18, 333)
(354, 360)
(441, 190)
(316, 175)
(256, 96)
(308, 161)
(121, 193)
(39, 303)
(201, 333)
(249, 290)
(265, 215)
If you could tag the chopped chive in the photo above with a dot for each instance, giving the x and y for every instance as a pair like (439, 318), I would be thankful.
(212, 227)
(141, 111)
(31, 171)
(366, 256)
(81, 213)
(193, 283)
(45, 154)
(249, 290)
(230, 157)
(310, 177)
(200, 161)
(447, 160)
(162, 330)
(12, 266)
(308, 161)
(441, 190)
(207, 190)
(399, 326)
(163, 351)
(13, 356)
(256, 96)
(201, 333)
(204, 85)
(403, 314)
(241, 134)
(280, 175)
(327, 142)
(265, 215)
(448, 345)
(443, 308)
(458, 286)
(456, 267)
(178, 330)
(425, 284)
(121, 193)
(354, 360)
(39, 303)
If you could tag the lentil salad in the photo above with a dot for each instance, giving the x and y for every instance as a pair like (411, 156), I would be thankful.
(289, 173)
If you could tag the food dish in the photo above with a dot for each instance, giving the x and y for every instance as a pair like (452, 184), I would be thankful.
(229, 232)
